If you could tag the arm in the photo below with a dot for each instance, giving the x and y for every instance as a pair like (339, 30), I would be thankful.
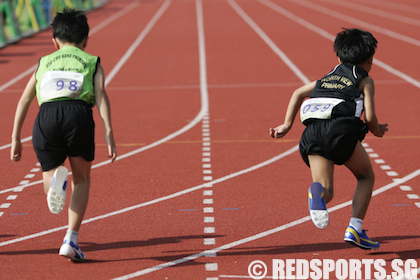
(368, 88)
(294, 104)
(20, 115)
(104, 109)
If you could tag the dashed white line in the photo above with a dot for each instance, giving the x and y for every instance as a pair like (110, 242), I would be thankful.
(413, 196)
(20, 188)
(211, 266)
(209, 229)
(209, 241)
(391, 173)
(385, 167)
(208, 210)
(208, 201)
(405, 188)
(209, 219)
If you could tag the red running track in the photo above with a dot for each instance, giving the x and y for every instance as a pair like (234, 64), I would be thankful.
(200, 190)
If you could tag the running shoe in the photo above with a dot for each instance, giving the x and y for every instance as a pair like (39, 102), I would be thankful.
(360, 239)
(317, 208)
(72, 252)
(56, 197)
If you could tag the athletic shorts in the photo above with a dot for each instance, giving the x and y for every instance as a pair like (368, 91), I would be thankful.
(61, 129)
(333, 139)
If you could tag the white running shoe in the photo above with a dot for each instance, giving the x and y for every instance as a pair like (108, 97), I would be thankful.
(56, 197)
(72, 252)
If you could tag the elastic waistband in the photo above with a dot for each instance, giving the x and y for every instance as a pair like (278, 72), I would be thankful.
(58, 103)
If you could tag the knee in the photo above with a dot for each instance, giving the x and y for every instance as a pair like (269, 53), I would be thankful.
(368, 176)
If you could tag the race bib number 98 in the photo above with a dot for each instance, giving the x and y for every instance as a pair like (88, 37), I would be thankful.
(318, 108)
(56, 84)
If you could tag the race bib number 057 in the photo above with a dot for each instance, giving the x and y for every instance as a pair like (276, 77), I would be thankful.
(318, 108)
(56, 84)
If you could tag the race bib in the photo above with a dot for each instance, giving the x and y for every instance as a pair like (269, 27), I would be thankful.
(318, 108)
(56, 84)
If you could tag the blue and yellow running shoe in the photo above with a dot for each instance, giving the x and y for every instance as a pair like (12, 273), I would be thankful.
(317, 208)
(360, 239)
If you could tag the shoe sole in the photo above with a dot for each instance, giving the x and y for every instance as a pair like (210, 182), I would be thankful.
(354, 243)
(320, 218)
(56, 197)
(317, 210)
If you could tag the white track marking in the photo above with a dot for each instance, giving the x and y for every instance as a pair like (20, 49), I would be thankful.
(269, 42)
(204, 99)
(331, 37)
(375, 12)
(137, 42)
(259, 235)
(392, 5)
(157, 200)
(114, 17)
(29, 138)
(18, 77)
(358, 22)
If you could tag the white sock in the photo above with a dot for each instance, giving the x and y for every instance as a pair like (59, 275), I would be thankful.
(356, 223)
(71, 235)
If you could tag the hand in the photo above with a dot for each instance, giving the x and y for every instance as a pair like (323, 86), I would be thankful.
(382, 129)
(112, 151)
(16, 150)
(279, 131)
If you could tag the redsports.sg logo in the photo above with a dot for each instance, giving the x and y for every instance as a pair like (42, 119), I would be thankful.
(341, 269)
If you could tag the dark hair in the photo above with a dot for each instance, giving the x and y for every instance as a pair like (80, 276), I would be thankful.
(70, 26)
(354, 45)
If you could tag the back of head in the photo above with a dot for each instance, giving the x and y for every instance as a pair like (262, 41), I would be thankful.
(354, 45)
(70, 26)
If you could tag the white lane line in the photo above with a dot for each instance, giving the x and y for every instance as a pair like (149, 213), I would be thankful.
(137, 42)
(9, 145)
(331, 37)
(18, 77)
(356, 21)
(375, 12)
(394, 6)
(259, 235)
(269, 42)
(157, 200)
(114, 17)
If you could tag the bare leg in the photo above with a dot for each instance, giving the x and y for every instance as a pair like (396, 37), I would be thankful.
(322, 170)
(80, 195)
(360, 165)
(321, 190)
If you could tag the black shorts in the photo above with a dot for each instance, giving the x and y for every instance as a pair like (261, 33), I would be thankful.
(333, 139)
(61, 129)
